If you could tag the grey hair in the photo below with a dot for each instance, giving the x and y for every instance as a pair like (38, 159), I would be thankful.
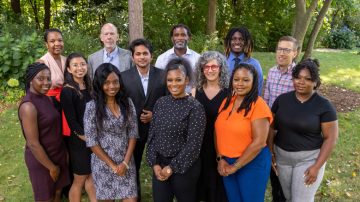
(203, 60)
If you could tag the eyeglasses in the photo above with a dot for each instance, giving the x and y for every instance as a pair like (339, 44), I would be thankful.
(212, 67)
(78, 65)
(283, 50)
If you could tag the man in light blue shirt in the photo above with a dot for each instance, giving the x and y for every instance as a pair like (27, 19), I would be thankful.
(238, 49)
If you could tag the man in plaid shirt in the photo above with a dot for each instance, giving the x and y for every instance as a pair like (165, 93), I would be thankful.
(279, 81)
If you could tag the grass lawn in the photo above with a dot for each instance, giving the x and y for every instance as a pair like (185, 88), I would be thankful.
(341, 181)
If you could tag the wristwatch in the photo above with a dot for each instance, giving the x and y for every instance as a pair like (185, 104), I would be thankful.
(218, 158)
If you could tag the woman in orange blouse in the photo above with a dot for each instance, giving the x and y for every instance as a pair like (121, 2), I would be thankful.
(241, 130)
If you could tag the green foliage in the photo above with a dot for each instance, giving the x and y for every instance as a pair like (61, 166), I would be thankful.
(342, 38)
(17, 51)
(201, 43)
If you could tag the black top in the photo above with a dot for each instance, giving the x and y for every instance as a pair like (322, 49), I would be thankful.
(299, 124)
(74, 107)
(176, 132)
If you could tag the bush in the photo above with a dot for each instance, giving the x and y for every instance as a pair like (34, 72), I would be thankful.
(11, 93)
(16, 53)
(343, 38)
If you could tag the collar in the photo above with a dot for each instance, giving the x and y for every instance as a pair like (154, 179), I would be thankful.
(289, 69)
(188, 51)
(113, 53)
(232, 56)
(146, 76)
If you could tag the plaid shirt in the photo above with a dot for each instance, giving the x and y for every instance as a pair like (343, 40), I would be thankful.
(278, 83)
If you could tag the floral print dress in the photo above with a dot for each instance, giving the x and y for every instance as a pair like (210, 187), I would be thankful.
(113, 139)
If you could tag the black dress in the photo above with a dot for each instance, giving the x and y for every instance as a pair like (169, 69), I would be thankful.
(210, 185)
(74, 107)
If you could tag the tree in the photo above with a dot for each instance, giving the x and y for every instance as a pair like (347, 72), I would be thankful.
(15, 5)
(211, 19)
(47, 14)
(136, 23)
(316, 29)
(302, 19)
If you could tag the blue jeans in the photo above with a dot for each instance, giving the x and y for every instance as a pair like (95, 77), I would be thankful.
(248, 184)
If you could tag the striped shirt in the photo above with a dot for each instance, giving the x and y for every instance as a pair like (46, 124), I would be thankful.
(277, 83)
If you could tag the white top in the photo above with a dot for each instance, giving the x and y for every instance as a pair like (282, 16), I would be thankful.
(164, 58)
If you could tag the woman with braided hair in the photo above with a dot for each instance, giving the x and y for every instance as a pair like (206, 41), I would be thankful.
(241, 131)
(45, 152)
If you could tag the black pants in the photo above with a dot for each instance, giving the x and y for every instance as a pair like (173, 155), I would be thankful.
(138, 153)
(182, 186)
(277, 193)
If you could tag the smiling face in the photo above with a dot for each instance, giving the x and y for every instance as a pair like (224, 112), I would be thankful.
(303, 84)
(212, 71)
(242, 82)
(176, 82)
(180, 38)
(111, 85)
(142, 57)
(78, 69)
(41, 83)
(237, 43)
(109, 36)
(285, 53)
(54, 43)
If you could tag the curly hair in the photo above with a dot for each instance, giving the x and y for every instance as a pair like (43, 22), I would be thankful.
(251, 97)
(313, 66)
(206, 58)
(248, 42)
(121, 98)
(68, 78)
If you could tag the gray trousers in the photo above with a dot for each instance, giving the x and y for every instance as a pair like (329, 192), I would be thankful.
(291, 168)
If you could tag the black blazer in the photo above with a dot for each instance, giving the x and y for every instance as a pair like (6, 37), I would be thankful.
(135, 90)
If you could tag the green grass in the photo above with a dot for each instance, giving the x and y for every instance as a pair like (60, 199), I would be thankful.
(341, 181)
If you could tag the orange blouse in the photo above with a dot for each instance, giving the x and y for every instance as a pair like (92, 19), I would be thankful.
(233, 132)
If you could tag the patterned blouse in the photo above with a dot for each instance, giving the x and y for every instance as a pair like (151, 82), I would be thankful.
(176, 132)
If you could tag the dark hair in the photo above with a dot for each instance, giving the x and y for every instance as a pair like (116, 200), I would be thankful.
(313, 66)
(182, 64)
(290, 39)
(31, 71)
(180, 26)
(101, 74)
(248, 42)
(51, 30)
(251, 97)
(68, 77)
(139, 42)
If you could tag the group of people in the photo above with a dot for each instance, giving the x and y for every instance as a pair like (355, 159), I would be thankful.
(210, 132)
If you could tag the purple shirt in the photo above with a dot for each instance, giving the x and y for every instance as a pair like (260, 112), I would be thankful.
(278, 83)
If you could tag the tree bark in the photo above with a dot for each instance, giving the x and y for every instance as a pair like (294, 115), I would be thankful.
(302, 19)
(211, 20)
(47, 14)
(136, 24)
(15, 5)
(316, 29)
(34, 6)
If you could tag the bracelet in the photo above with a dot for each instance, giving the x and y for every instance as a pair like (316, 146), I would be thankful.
(126, 165)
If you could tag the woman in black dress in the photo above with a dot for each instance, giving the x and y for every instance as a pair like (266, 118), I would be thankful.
(211, 89)
(175, 137)
(45, 151)
(74, 96)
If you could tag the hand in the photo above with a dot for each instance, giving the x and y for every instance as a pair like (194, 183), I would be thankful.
(54, 173)
(146, 116)
(157, 171)
(222, 167)
(310, 175)
(230, 169)
(165, 172)
(82, 137)
(121, 170)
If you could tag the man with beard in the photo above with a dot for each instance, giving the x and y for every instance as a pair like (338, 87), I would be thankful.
(111, 53)
(238, 49)
(180, 35)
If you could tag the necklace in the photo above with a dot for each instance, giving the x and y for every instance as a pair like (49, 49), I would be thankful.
(303, 99)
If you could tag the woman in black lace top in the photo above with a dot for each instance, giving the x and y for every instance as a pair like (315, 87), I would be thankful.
(175, 138)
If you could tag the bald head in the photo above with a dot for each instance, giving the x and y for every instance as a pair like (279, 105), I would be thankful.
(109, 36)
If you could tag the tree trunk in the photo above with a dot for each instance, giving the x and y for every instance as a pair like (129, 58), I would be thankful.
(316, 29)
(302, 19)
(47, 14)
(34, 6)
(136, 24)
(15, 5)
(211, 20)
